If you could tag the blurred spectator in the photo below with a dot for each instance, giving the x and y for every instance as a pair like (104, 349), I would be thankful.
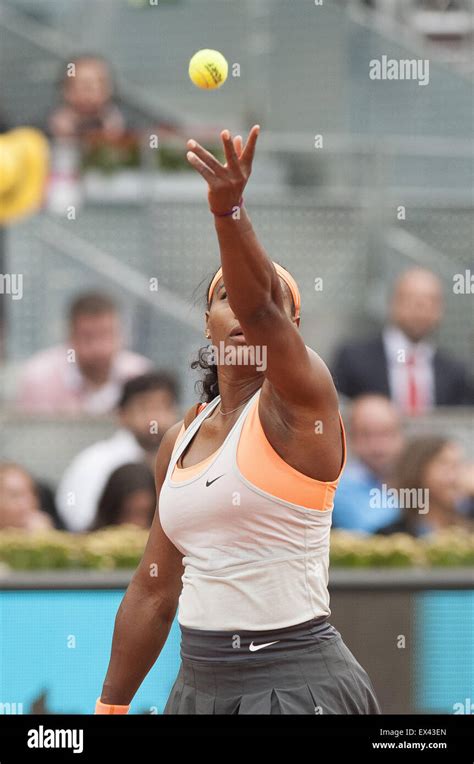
(147, 408)
(466, 486)
(87, 105)
(19, 501)
(129, 497)
(375, 442)
(433, 465)
(403, 362)
(87, 374)
(3, 269)
(47, 502)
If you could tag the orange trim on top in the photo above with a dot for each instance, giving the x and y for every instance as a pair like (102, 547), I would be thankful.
(262, 466)
(180, 474)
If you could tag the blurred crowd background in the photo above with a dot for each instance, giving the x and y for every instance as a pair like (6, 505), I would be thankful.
(362, 189)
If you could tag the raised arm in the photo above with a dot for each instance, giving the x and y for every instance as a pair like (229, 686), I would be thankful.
(252, 284)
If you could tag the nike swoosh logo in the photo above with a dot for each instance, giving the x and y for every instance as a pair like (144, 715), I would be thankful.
(253, 647)
(210, 482)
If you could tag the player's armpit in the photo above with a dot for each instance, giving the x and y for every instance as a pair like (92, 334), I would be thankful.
(297, 374)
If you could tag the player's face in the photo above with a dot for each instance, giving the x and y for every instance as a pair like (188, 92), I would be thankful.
(223, 324)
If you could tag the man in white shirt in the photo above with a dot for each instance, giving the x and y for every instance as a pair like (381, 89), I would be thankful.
(146, 410)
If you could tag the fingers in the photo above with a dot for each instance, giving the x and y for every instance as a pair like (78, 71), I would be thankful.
(236, 156)
(238, 145)
(247, 155)
(229, 150)
(208, 158)
(201, 167)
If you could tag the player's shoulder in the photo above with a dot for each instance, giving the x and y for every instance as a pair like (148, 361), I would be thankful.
(317, 363)
(192, 413)
(172, 434)
(171, 437)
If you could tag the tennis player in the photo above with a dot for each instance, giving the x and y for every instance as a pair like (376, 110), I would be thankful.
(246, 486)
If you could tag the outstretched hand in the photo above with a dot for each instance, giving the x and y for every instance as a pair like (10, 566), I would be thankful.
(226, 183)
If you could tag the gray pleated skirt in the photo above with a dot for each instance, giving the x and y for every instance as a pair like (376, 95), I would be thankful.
(323, 678)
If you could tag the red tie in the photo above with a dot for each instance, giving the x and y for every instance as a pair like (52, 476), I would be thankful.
(414, 403)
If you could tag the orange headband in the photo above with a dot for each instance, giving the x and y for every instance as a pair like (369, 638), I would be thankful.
(287, 278)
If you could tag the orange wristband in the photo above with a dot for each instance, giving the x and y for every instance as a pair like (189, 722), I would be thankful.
(106, 708)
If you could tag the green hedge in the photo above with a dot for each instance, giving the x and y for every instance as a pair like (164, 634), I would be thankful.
(122, 547)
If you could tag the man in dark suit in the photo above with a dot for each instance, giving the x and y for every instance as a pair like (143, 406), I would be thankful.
(402, 362)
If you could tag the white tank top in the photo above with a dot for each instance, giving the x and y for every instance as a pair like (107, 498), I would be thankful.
(251, 561)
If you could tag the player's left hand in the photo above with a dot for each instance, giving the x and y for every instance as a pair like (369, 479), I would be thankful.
(226, 183)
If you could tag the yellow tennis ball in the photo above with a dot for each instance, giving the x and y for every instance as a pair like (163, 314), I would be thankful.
(208, 69)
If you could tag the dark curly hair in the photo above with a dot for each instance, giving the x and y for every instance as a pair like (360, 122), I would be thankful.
(208, 386)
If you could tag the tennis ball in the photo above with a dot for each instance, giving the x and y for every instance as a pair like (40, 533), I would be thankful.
(208, 69)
